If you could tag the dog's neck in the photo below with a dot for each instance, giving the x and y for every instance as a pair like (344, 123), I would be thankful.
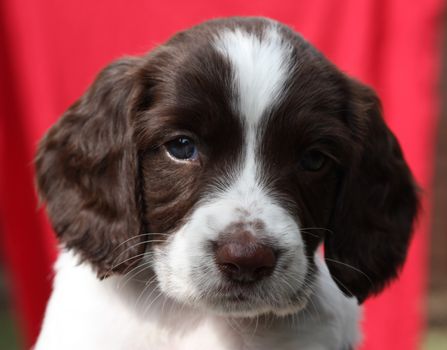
(117, 309)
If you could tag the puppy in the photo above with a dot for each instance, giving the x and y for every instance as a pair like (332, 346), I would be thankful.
(192, 188)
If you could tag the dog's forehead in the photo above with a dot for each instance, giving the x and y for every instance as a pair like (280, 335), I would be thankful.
(239, 73)
(260, 62)
(246, 68)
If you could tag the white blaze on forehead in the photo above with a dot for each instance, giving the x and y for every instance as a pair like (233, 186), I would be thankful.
(260, 63)
(260, 66)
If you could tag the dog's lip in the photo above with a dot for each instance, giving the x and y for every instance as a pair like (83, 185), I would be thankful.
(235, 298)
(235, 289)
(230, 294)
(234, 293)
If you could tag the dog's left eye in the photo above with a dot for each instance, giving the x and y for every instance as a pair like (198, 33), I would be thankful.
(182, 148)
(312, 161)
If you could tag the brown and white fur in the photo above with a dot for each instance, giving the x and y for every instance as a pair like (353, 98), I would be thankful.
(191, 189)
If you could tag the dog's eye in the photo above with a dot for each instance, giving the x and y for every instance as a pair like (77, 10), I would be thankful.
(182, 148)
(312, 160)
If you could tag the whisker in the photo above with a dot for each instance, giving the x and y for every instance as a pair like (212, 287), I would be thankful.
(343, 285)
(131, 238)
(129, 276)
(317, 228)
(146, 309)
(309, 233)
(351, 267)
(115, 265)
(139, 236)
(146, 287)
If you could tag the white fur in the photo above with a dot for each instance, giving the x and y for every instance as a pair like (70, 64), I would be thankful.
(260, 67)
(89, 314)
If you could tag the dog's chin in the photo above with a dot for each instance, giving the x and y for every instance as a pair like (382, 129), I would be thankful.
(246, 309)
(244, 305)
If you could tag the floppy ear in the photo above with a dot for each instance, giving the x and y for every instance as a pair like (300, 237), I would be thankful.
(376, 204)
(87, 172)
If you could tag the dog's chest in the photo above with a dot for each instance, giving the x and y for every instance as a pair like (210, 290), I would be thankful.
(207, 334)
(230, 335)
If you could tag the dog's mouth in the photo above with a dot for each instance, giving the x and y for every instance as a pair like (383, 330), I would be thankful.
(253, 300)
(235, 298)
(237, 294)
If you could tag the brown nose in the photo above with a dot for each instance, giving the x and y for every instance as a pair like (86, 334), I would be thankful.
(243, 259)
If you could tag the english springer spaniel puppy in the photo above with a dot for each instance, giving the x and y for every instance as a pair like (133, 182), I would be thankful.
(192, 190)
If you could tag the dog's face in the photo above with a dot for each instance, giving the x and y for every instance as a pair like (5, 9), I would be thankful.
(226, 157)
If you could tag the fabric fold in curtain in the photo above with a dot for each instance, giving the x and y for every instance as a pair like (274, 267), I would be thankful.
(51, 51)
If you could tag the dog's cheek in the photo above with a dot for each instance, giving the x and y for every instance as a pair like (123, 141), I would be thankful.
(170, 191)
(174, 266)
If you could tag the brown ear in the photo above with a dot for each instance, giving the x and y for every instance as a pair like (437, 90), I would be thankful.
(87, 172)
(376, 205)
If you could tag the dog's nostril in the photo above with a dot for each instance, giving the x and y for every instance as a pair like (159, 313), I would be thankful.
(264, 271)
(244, 260)
(229, 267)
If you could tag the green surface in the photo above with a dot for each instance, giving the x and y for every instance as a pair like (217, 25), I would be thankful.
(8, 332)
(436, 339)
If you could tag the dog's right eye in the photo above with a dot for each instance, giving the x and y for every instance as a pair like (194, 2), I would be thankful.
(313, 161)
(182, 148)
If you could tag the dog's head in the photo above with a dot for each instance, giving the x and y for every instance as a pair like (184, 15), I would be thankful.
(226, 157)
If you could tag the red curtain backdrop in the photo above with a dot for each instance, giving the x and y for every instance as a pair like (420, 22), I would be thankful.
(51, 51)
